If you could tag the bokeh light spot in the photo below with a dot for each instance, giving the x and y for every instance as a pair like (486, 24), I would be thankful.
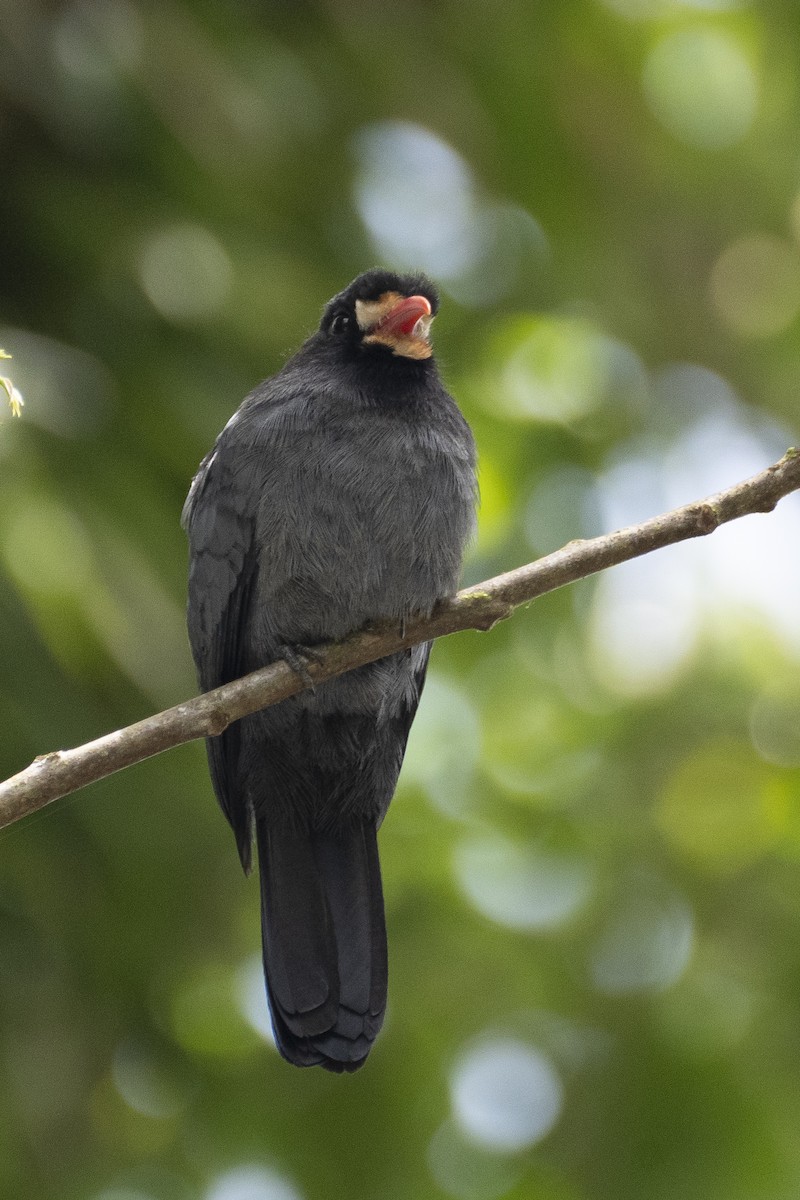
(507, 243)
(712, 1010)
(416, 196)
(185, 272)
(642, 636)
(90, 39)
(506, 1095)
(144, 1083)
(755, 285)
(642, 632)
(251, 996)
(685, 393)
(67, 391)
(719, 808)
(252, 1182)
(420, 203)
(444, 746)
(524, 887)
(562, 506)
(467, 1171)
(653, 10)
(557, 369)
(701, 86)
(645, 946)
(649, 614)
(775, 727)
(531, 747)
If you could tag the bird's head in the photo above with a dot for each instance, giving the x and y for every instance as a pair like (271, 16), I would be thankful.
(383, 313)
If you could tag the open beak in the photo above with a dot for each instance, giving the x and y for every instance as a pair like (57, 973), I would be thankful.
(401, 323)
(410, 317)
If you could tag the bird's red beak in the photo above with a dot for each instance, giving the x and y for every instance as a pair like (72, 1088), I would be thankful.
(404, 315)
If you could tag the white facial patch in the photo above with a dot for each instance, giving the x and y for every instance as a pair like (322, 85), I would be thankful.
(370, 313)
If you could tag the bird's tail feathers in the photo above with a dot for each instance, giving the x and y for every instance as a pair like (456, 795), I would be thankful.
(324, 943)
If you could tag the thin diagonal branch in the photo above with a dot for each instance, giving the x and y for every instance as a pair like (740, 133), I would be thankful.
(64, 771)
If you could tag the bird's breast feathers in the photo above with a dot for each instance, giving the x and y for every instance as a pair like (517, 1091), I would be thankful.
(360, 518)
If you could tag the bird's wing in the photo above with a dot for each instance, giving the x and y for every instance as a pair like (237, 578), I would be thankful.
(397, 726)
(418, 661)
(219, 519)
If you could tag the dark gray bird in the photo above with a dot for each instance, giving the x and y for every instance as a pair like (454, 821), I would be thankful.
(342, 491)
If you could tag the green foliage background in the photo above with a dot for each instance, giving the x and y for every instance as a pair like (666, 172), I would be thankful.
(591, 865)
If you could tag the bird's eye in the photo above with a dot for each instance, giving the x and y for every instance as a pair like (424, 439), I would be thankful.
(340, 323)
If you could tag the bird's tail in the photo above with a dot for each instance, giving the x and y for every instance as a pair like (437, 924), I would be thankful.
(324, 942)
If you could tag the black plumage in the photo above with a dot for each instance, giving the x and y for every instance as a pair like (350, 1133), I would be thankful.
(341, 491)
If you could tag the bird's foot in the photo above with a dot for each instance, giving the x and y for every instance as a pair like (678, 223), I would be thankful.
(298, 656)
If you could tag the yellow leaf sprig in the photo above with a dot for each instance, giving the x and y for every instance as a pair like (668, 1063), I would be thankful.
(14, 395)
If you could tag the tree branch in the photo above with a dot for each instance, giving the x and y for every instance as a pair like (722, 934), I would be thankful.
(64, 771)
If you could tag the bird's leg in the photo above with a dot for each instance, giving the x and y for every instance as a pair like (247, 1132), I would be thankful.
(298, 656)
